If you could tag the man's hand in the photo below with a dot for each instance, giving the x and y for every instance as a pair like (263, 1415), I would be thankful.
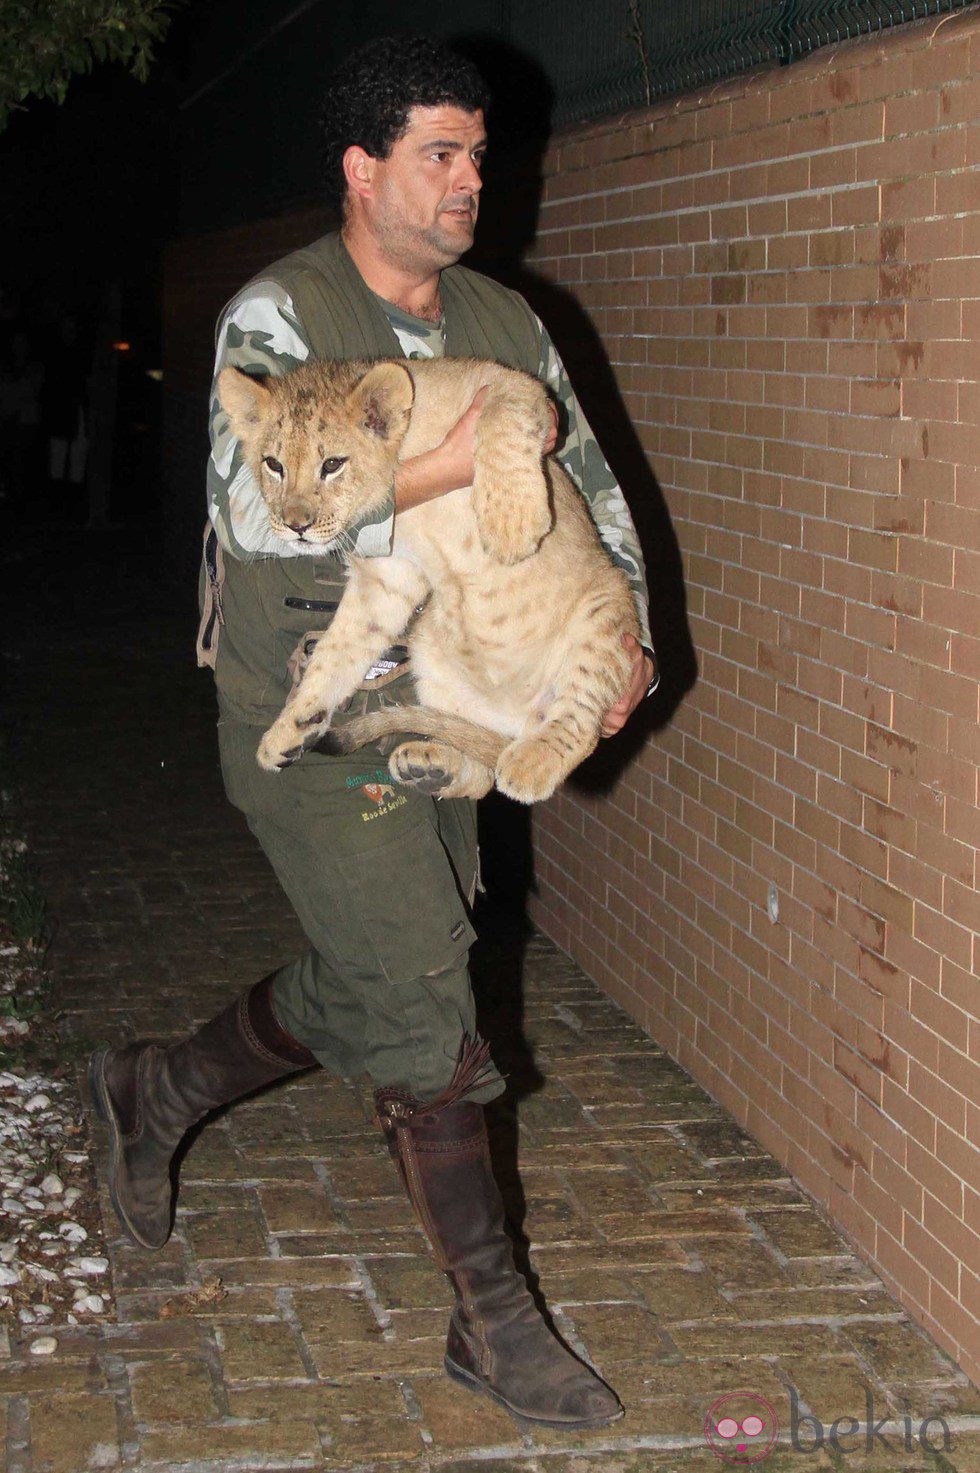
(640, 677)
(446, 468)
(450, 465)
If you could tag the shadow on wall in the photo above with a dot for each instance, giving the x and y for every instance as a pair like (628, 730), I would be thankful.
(520, 129)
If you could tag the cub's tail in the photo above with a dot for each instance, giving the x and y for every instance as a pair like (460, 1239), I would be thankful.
(472, 740)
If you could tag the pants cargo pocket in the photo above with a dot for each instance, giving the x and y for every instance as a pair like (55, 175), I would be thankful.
(406, 895)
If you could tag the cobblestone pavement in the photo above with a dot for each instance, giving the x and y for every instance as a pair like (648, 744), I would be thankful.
(668, 1244)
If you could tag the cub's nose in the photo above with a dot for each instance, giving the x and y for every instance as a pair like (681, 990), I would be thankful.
(299, 526)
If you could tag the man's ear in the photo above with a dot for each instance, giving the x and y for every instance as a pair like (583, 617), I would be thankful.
(358, 168)
(244, 400)
(382, 400)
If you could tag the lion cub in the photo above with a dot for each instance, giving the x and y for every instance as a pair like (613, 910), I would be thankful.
(517, 653)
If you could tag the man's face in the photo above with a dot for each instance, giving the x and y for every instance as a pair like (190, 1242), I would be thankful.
(422, 204)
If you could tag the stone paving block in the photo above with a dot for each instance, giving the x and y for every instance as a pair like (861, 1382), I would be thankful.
(643, 1460)
(834, 1388)
(611, 1193)
(33, 1376)
(390, 1215)
(272, 1132)
(213, 1157)
(314, 1271)
(182, 1335)
(316, 1401)
(736, 1169)
(808, 1304)
(225, 1234)
(221, 1196)
(72, 1434)
(798, 1233)
(617, 1332)
(597, 1087)
(236, 1304)
(359, 1441)
(279, 1444)
(289, 1169)
(550, 1260)
(167, 1269)
(722, 1338)
(335, 1314)
(897, 1352)
(587, 1285)
(459, 1418)
(557, 1220)
(749, 1196)
(950, 1398)
(180, 1392)
(740, 1263)
(841, 1273)
(661, 1158)
(680, 1294)
(664, 1107)
(658, 1223)
(290, 1209)
(400, 1356)
(259, 1352)
(705, 1380)
(359, 1178)
(409, 1283)
(720, 1138)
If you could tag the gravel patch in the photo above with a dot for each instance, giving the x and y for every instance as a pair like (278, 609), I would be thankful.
(53, 1265)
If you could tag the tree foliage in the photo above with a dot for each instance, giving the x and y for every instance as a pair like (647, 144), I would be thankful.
(42, 46)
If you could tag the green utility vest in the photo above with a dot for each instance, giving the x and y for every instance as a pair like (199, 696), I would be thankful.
(269, 605)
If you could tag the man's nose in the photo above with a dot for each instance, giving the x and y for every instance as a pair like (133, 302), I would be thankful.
(467, 180)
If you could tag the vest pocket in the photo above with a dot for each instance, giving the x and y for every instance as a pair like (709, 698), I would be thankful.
(311, 605)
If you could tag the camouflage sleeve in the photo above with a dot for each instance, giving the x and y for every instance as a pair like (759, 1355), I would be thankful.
(260, 333)
(579, 453)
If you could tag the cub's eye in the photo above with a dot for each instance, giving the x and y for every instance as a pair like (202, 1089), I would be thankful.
(272, 464)
(331, 465)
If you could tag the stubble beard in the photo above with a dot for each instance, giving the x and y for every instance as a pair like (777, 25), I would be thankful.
(421, 248)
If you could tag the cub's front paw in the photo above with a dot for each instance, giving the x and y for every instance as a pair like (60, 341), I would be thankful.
(511, 525)
(529, 770)
(288, 738)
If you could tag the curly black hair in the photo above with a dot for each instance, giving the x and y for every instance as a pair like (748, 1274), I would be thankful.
(370, 93)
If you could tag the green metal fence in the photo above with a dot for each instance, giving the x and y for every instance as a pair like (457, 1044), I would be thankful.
(611, 54)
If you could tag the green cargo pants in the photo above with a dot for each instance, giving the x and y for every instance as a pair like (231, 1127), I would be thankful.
(379, 877)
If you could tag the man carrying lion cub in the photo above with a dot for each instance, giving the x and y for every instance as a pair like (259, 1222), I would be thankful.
(379, 875)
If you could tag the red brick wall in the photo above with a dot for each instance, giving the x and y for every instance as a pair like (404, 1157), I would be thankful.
(784, 274)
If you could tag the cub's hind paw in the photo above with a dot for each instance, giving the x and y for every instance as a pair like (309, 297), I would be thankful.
(529, 770)
(422, 766)
(440, 771)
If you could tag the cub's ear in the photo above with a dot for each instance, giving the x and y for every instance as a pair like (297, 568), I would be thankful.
(244, 400)
(383, 400)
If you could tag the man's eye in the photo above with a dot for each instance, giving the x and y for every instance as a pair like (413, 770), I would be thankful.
(331, 465)
(272, 464)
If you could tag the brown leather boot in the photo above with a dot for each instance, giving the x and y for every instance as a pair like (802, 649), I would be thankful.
(150, 1095)
(498, 1342)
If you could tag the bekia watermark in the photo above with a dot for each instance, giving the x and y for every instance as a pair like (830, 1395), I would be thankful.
(742, 1428)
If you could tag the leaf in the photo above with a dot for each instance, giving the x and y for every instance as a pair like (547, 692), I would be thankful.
(44, 46)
